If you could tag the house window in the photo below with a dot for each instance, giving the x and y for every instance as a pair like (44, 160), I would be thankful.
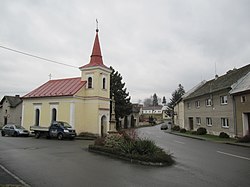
(197, 104)
(223, 100)
(90, 82)
(198, 121)
(209, 121)
(208, 102)
(37, 117)
(225, 122)
(189, 105)
(243, 99)
(104, 83)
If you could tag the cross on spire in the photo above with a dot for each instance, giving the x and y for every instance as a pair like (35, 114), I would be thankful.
(97, 25)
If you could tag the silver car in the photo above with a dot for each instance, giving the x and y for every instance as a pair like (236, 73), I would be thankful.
(14, 130)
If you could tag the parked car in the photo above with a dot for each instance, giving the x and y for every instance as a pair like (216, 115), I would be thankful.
(164, 126)
(14, 130)
(58, 129)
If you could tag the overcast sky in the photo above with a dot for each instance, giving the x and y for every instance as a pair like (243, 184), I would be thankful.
(154, 44)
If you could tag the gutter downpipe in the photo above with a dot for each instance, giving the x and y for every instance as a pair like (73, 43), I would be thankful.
(235, 116)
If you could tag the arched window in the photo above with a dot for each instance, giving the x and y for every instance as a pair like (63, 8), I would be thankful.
(104, 83)
(54, 114)
(90, 82)
(37, 117)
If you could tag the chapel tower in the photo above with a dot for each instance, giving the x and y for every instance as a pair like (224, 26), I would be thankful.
(97, 89)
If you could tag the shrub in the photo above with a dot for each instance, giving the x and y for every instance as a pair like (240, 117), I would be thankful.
(183, 130)
(114, 141)
(193, 132)
(145, 147)
(223, 135)
(201, 131)
(127, 144)
(127, 147)
(161, 155)
(129, 135)
(100, 141)
(176, 128)
(244, 139)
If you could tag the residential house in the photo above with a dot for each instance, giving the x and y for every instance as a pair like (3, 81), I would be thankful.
(10, 110)
(155, 111)
(132, 120)
(83, 102)
(179, 106)
(211, 105)
(241, 100)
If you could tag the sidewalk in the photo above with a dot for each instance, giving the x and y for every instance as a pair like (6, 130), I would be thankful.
(199, 137)
(8, 179)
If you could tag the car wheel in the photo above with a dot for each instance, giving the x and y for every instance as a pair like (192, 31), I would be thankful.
(3, 133)
(15, 134)
(60, 136)
(37, 135)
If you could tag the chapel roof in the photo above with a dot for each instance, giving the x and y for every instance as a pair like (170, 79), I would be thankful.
(59, 87)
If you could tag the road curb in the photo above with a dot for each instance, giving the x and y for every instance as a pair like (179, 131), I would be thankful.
(203, 139)
(197, 138)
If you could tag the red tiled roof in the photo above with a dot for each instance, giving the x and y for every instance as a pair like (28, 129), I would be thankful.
(96, 57)
(59, 87)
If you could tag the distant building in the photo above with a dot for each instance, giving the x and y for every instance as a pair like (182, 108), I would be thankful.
(132, 120)
(155, 111)
(11, 110)
(179, 114)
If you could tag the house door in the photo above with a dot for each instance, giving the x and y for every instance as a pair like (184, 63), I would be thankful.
(191, 123)
(246, 123)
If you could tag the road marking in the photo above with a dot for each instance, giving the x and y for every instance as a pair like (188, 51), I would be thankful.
(242, 157)
(14, 176)
(179, 142)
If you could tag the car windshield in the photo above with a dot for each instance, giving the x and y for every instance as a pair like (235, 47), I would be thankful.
(19, 127)
(66, 125)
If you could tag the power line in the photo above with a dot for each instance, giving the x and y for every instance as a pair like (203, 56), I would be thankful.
(34, 56)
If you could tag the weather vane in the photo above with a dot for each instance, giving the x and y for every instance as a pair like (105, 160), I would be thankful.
(97, 25)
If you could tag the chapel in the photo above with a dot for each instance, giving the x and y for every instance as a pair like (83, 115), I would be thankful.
(83, 102)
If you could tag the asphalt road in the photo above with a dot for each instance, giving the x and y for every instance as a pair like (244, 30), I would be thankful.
(42, 162)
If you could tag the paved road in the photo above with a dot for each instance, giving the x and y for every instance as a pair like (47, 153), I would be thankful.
(42, 162)
(213, 163)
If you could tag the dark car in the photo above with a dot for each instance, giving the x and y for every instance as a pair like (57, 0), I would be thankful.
(164, 126)
(14, 130)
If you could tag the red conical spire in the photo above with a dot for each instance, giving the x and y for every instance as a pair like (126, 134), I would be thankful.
(96, 56)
